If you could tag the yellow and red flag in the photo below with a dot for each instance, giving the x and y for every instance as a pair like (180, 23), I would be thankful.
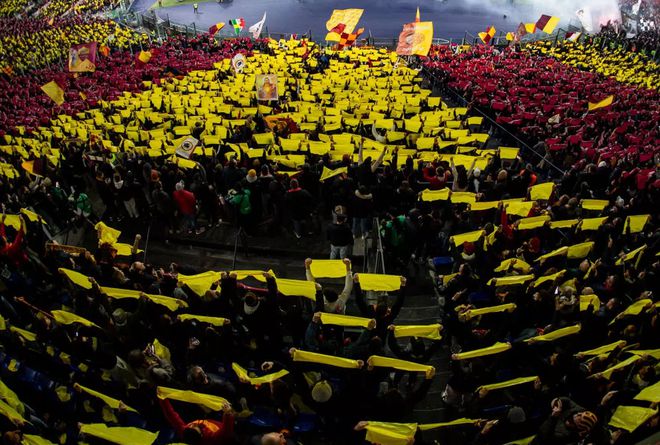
(530, 28)
(547, 23)
(8, 70)
(347, 17)
(54, 91)
(602, 104)
(417, 16)
(348, 39)
(213, 30)
(487, 36)
(144, 56)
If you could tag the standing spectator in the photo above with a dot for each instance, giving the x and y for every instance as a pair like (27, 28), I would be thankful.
(362, 206)
(187, 207)
(299, 203)
(340, 237)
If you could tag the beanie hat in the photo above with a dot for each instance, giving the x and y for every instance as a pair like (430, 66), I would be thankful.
(251, 175)
(585, 421)
(322, 391)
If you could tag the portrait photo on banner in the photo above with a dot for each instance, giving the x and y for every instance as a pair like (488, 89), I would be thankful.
(82, 58)
(267, 87)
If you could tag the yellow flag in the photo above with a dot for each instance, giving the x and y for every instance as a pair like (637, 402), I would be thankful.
(11, 398)
(172, 304)
(484, 205)
(546, 278)
(471, 313)
(510, 281)
(144, 56)
(519, 208)
(469, 237)
(328, 269)
(214, 403)
(509, 152)
(27, 335)
(533, 222)
(630, 255)
(556, 252)
(636, 223)
(344, 320)
(118, 434)
(64, 317)
(577, 251)
(602, 349)
(592, 223)
(378, 361)
(431, 331)
(215, 321)
(384, 433)
(76, 278)
(526, 440)
(297, 288)
(54, 91)
(508, 383)
(591, 299)
(594, 204)
(347, 17)
(435, 195)
(608, 372)
(242, 374)
(655, 353)
(31, 439)
(603, 103)
(541, 191)
(111, 402)
(489, 350)
(380, 282)
(323, 359)
(630, 418)
(327, 173)
(32, 216)
(556, 334)
(11, 414)
(513, 263)
(106, 233)
(200, 282)
(456, 422)
(650, 393)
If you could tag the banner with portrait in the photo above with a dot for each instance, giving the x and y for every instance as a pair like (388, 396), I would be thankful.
(266, 87)
(82, 58)
(415, 39)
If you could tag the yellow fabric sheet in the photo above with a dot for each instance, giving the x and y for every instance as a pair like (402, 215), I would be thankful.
(630, 255)
(64, 317)
(602, 349)
(563, 224)
(297, 288)
(76, 278)
(630, 418)
(242, 374)
(510, 281)
(484, 205)
(431, 331)
(200, 282)
(456, 422)
(541, 191)
(111, 402)
(170, 303)
(26, 335)
(526, 440)
(556, 252)
(586, 300)
(383, 433)
(215, 321)
(634, 309)
(471, 313)
(519, 208)
(533, 222)
(636, 223)
(31, 439)
(489, 350)
(469, 237)
(547, 278)
(11, 398)
(344, 320)
(508, 383)
(435, 195)
(106, 233)
(380, 282)
(594, 204)
(557, 334)
(608, 372)
(650, 393)
(579, 251)
(592, 223)
(119, 435)
(323, 359)
(11, 414)
(513, 263)
(214, 403)
(327, 173)
(378, 361)
(328, 269)
(655, 353)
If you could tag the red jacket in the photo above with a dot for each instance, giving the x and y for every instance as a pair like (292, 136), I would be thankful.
(13, 251)
(185, 201)
(213, 432)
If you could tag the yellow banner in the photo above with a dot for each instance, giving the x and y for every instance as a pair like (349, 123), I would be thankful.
(215, 321)
(557, 334)
(214, 403)
(111, 402)
(118, 434)
(508, 383)
(415, 39)
(431, 331)
(490, 350)
(328, 269)
(64, 317)
(297, 288)
(243, 376)
(630, 418)
(323, 359)
(347, 17)
(378, 361)
(379, 282)
(344, 320)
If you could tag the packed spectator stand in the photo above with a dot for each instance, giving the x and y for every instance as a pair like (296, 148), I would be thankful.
(543, 258)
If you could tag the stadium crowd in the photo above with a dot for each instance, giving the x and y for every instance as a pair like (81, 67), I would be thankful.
(545, 268)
